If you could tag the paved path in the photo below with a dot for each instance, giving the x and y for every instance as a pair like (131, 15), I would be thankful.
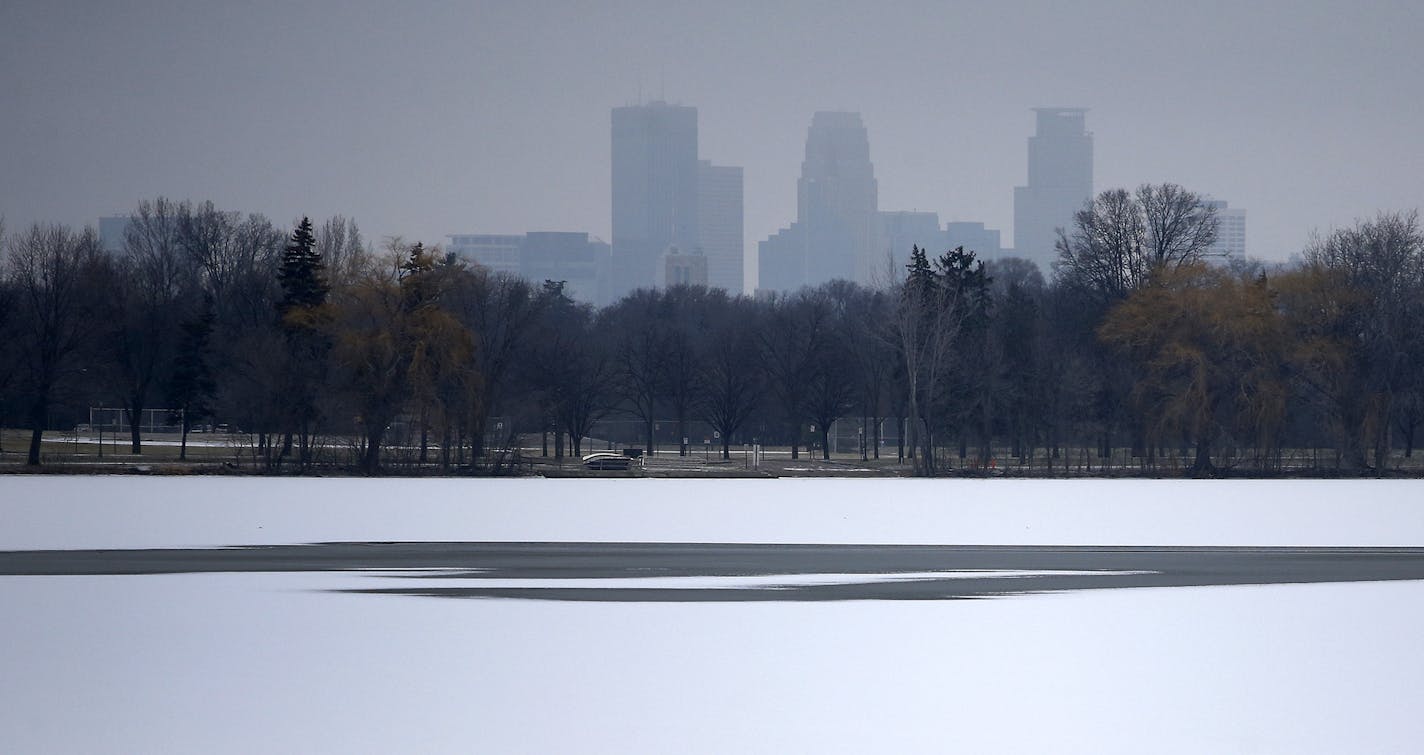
(877, 572)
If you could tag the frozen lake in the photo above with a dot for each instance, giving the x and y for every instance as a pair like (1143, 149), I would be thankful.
(242, 661)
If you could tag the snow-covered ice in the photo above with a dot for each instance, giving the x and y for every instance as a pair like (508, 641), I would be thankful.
(286, 662)
(142, 512)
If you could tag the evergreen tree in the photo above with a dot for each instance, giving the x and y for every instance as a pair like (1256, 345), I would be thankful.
(302, 273)
(304, 321)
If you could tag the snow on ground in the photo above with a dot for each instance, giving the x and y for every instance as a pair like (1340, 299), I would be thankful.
(137, 512)
(281, 662)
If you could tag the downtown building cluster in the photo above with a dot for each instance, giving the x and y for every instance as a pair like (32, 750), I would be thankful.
(677, 219)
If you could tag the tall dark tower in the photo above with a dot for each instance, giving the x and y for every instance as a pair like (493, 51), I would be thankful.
(1060, 182)
(655, 176)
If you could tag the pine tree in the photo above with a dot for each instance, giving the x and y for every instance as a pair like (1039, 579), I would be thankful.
(301, 274)
(303, 319)
(921, 276)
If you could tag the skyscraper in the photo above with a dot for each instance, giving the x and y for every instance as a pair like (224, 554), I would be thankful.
(834, 235)
(655, 177)
(1060, 182)
(719, 224)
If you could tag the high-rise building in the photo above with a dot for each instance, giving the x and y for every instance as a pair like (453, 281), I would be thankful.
(719, 224)
(655, 179)
(836, 228)
(1230, 231)
(1060, 182)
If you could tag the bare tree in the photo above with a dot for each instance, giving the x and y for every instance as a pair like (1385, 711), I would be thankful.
(342, 249)
(640, 353)
(1120, 239)
(500, 311)
(793, 338)
(57, 277)
(689, 313)
(572, 367)
(1181, 225)
(733, 377)
(156, 293)
(1380, 262)
(865, 317)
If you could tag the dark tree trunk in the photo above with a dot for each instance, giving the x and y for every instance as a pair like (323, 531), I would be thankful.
(38, 411)
(900, 439)
(445, 447)
(877, 435)
(371, 460)
(183, 442)
(424, 438)
(36, 435)
(1202, 463)
(135, 412)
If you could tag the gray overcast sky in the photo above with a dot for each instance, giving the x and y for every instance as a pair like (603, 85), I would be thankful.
(425, 119)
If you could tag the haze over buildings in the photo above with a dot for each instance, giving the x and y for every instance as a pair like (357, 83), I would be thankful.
(1300, 111)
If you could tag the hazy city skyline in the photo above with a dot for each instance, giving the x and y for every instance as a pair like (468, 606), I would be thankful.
(449, 118)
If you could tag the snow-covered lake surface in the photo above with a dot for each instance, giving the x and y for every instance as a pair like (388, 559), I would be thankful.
(290, 662)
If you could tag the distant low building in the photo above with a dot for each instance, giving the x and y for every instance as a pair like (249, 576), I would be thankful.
(782, 260)
(974, 237)
(580, 261)
(898, 233)
(684, 269)
(496, 252)
(569, 257)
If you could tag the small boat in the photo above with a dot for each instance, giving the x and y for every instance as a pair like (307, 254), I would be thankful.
(607, 460)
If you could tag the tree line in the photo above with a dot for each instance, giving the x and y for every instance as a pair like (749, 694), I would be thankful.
(1136, 343)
